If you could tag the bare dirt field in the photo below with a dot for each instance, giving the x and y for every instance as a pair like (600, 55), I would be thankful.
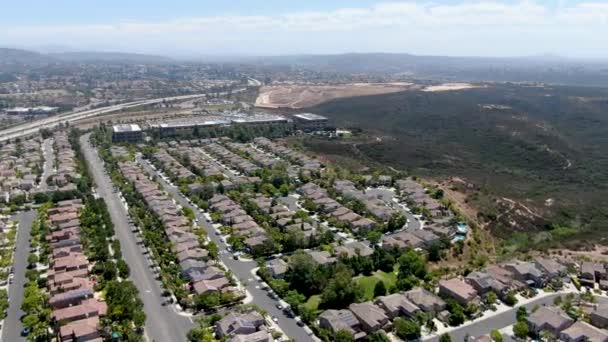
(450, 87)
(301, 96)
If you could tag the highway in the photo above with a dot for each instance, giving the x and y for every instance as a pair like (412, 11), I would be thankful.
(50, 122)
(241, 269)
(12, 323)
(163, 323)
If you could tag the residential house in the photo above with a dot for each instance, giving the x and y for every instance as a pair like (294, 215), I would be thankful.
(459, 290)
(396, 305)
(372, 317)
(582, 331)
(550, 319)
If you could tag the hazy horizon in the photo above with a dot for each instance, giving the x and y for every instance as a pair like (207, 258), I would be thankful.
(190, 29)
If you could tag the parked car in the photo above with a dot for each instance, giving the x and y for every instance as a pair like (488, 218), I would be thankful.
(25, 332)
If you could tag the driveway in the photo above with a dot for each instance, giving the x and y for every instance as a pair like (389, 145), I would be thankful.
(12, 326)
(163, 323)
(241, 269)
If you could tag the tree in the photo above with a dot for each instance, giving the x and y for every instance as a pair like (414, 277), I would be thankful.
(411, 264)
(522, 314)
(379, 289)
(510, 299)
(123, 268)
(406, 329)
(32, 259)
(491, 298)
(397, 221)
(435, 252)
(496, 336)
(445, 338)
(378, 336)
(341, 290)
(344, 336)
(374, 236)
(302, 274)
(213, 250)
(520, 329)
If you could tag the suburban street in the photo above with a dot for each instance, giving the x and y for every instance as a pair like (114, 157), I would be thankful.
(241, 269)
(49, 157)
(11, 330)
(163, 323)
(501, 320)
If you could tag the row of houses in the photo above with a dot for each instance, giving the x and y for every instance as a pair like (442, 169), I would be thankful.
(76, 309)
(66, 175)
(559, 324)
(170, 164)
(231, 159)
(260, 158)
(416, 239)
(335, 210)
(284, 217)
(20, 168)
(307, 163)
(416, 193)
(204, 275)
(200, 163)
(362, 319)
(374, 205)
(234, 216)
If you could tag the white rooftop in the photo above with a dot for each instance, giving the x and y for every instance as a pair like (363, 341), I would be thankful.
(310, 116)
(126, 128)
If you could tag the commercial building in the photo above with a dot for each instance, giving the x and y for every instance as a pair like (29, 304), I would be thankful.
(127, 133)
(310, 121)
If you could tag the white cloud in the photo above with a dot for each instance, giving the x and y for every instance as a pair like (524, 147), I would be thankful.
(391, 26)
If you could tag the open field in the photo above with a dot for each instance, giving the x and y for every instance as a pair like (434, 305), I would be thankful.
(537, 154)
(300, 96)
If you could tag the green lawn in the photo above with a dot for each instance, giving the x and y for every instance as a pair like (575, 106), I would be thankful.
(313, 302)
(368, 283)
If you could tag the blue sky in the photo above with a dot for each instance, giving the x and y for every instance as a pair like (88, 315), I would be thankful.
(272, 27)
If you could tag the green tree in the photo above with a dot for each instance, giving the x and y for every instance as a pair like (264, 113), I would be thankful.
(411, 264)
(445, 338)
(341, 290)
(408, 330)
(213, 250)
(378, 336)
(344, 336)
(496, 336)
(379, 289)
(510, 299)
(522, 314)
(520, 329)
(491, 298)
(32, 259)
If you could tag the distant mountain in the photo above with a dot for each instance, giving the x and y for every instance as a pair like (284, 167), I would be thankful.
(543, 69)
(89, 56)
(10, 56)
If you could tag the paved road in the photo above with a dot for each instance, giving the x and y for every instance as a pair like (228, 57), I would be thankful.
(387, 196)
(49, 160)
(241, 269)
(162, 323)
(499, 321)
(12, 327)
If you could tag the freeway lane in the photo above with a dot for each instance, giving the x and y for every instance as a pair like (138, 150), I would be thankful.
(241, 269)
(162, 323)
(12, 324)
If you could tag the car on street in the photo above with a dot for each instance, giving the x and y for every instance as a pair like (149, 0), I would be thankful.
(25, 332)
(274, 319)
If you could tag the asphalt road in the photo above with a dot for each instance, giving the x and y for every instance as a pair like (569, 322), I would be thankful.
(49, 157)
(499, 321)
(241, 269)
(11, 330)
(163, 323)
(387, 197)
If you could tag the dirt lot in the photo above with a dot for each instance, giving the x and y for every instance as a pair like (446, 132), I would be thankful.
(301, 96)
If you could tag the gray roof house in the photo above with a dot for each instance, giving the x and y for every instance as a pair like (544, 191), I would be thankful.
(549, 319)
(425, 300)
(459, 290)
(372, 317)
(396, 305)
(277, 267)
(236, 323)
(582, 331)
(336, 320)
